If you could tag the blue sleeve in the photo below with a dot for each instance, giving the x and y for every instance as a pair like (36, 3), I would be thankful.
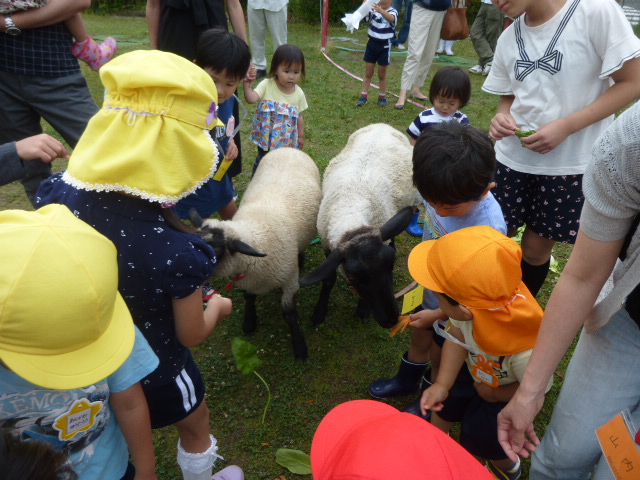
(140, 363)
(190, 268)
(11, 168)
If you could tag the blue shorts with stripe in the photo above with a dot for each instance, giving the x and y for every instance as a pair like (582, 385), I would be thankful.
(174, 401)
(378, 51)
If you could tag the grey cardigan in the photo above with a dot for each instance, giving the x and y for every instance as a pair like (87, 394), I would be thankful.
(611, 186)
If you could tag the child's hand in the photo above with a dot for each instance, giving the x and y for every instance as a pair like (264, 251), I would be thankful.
(432, 398)
(502, 125)
(232, 150)
(426, 318)
(251, 74)
(548, 137)
(220, 307)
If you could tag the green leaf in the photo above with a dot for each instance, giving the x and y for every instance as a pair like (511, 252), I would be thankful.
(245, 356)
(524, 133)
(295, 460)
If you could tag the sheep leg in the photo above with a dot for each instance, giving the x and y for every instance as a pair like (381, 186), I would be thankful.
(322, 307)
(250, 317)
(301, 261)
(290, 315)
(363, 311)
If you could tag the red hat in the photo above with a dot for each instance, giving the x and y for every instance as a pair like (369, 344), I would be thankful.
(369, 440)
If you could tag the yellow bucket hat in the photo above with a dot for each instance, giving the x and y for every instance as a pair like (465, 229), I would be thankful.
(76, 329)
(479, 267)
(150, 138)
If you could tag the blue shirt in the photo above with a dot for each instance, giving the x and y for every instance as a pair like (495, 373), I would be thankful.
(155, 263)
(213, 194)
(100, 451)
(486, 212)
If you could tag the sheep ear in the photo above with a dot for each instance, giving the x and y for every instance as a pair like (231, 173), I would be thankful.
(195, 217)
(396, 224)
(237, 246)
(325, 269)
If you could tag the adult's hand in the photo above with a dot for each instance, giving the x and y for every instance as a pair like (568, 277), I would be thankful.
(515, 425)
(42, 146)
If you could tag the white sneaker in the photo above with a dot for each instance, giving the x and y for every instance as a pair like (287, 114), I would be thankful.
(486, 69)
(400, 46)
(448, 51)
(440, 50)
(477, 69)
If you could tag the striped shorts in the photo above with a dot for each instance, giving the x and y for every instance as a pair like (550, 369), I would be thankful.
(174, 401)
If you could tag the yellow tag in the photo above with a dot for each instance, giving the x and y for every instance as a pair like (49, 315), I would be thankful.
(222, 169)
(80, 417)
(483, 371)
(412, 299)
(619, 448)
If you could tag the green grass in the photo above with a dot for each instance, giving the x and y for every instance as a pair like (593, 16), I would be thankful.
(345, 354)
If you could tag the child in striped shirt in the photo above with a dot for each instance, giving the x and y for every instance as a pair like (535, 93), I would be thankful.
(382, 24)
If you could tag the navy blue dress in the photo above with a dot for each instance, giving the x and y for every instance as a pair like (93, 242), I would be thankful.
(156, 264)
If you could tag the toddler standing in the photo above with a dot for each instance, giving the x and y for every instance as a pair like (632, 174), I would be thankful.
(279, 121)
(148, 147)
(382, 26)
(85, 48)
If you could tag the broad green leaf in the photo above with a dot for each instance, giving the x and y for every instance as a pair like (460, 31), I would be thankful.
(295, 460)
(245, 356)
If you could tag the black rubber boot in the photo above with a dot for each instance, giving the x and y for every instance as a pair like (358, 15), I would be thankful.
(414, 407)
(406, 381)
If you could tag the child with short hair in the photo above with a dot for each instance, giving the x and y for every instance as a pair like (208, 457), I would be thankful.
(450, 90)
(494, 322)
(147, 148)
(84, 48)
(226, 58)
(279, 121)
(453, 169)
(382, 26)
(71, 362)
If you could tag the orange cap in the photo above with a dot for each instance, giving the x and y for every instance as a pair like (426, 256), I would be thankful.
(369, 440)
(480, 268)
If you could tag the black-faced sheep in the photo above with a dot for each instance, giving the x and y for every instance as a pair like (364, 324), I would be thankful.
(276, 217)
(367, 195)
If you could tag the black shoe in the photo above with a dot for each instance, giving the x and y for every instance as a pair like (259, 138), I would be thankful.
(406, 381)
(260, 73)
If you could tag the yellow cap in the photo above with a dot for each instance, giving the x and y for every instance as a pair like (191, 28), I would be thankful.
(63, 324)
(479, 267)
(150, 138)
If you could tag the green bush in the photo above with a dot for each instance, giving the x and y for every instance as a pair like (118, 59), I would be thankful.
(110, 7)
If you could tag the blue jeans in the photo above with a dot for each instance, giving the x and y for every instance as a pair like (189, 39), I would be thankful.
(403, 33)
(603, 378)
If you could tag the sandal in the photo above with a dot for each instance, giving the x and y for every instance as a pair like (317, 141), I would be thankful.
(399, 106)
(416, 97)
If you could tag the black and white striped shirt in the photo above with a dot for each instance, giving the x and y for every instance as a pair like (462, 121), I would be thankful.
(381, 29)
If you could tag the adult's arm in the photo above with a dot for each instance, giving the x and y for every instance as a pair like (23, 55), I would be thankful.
(236, 17)
(152, 14)
(55, 11)
(569, 306)
(13, 154)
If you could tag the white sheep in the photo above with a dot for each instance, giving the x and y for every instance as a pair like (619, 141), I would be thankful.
(276, 217)
(367, 199)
